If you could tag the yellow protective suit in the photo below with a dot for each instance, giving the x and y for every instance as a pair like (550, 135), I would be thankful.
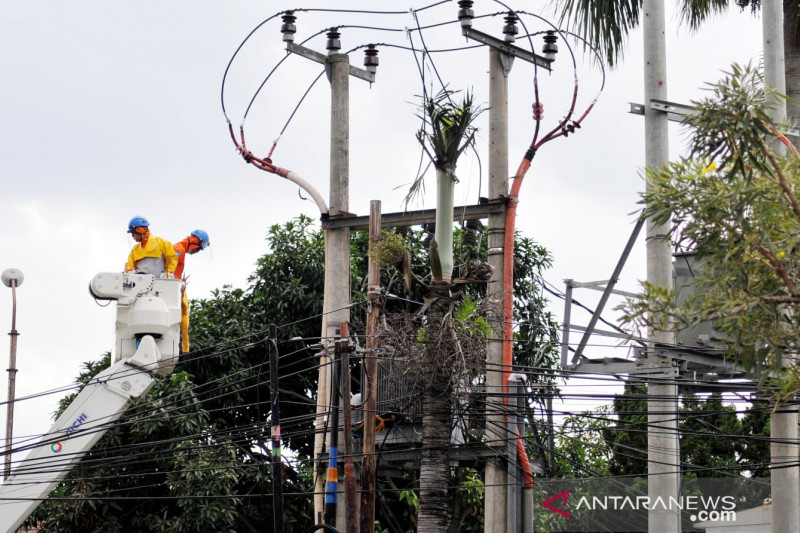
(153, 247)
(181, 249)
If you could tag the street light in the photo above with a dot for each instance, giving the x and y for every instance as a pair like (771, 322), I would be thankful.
(11, 278)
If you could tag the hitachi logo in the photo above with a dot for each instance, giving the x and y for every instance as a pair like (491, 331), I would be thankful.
(75, 425)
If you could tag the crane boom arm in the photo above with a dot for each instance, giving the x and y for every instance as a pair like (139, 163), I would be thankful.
(77, 430)
(148, 319)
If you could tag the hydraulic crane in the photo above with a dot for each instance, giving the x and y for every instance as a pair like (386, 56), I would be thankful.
(147, 345)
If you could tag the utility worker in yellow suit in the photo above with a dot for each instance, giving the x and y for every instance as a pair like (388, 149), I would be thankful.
(195, 242)
(151, 254)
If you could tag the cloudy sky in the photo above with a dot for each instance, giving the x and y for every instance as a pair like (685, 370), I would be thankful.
(112, 109)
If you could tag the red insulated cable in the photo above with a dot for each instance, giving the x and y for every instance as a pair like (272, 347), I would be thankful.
(262, 163)
(508, 271)
(522, 457)
(511, 214)
(558, 131)
(508, 306)
(508, 260)
(233, 135)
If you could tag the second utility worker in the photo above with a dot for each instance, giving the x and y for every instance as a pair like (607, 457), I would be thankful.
(198, 240)
(151, 254)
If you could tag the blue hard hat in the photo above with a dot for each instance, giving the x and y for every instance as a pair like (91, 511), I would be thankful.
(137, 222)
(203, 236)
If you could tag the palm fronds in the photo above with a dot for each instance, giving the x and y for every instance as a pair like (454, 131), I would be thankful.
(447, 130)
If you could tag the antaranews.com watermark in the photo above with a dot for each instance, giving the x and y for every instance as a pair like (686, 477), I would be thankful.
(622, 504)
(703, 507)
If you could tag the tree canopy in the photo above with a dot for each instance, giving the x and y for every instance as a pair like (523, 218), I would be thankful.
(732, 203)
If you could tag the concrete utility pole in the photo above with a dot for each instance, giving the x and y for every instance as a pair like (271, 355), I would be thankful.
(337, 275)
(784, 479)
(336, 299)
(784, 457)
(11, 278)
(496, 435)
(663, 452)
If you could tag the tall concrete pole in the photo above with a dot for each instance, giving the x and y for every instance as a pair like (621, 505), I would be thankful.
(784, 480)
(791, 33)
(11, 278)
(784, 457)
(495, 501)
(774, 59)
(337, 282)
(663, 455)
(337, 272)
(337, 248)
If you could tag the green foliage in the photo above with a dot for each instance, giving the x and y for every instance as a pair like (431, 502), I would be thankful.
(604, 451)
(398, 506)
(755, 456)
(389, 250)
(288, 283)
(466, 510)
(605, 25)
(411, 498)
(136, 476)
(733, 203)
(582, 448)
(536, 343)
(447, 127)
(627, 437)
(715, 441)
(711, 442)
(447, 130)
(469, 320)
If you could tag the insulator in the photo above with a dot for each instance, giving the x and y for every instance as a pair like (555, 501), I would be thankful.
(288, 29)
(475, 224)
(470, 240)
(550, 48)
(538, 111)
(405, 231)
(371, 59)
(465, 13)
(430, 231)
(333, 44)
(510, 30)
(473, 227)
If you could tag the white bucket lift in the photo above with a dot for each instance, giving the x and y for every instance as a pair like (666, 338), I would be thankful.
(147, 341)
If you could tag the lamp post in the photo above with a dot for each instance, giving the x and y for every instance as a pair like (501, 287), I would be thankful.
(11, 278)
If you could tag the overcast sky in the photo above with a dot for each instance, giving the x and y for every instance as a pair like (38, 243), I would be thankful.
(112, 109)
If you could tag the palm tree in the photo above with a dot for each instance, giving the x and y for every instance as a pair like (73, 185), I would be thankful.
(446, 132)
(605, 25)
